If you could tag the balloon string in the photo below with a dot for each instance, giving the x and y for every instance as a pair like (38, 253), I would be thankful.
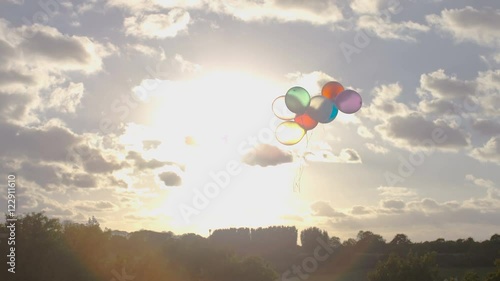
(298, 175)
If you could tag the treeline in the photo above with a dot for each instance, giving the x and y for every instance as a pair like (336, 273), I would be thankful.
(365, 250)
(48, 249)
(274, 238)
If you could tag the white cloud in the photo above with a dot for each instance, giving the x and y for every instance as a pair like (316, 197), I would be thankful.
(376, 148)
(385, 29)
(490, 152)
(397, 192)
(318, 12)
(480, 181)
(365, 132)
(347, 155)
(158, 25)
(384, 104)
(65, 99)
(470, 24)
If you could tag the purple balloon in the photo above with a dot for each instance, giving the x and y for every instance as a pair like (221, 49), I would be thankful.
(348, 101)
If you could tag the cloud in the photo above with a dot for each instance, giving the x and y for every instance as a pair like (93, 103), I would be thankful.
(376, 148)
(15, 108)
(135, 217)
(490, 152)
(365, 132)
(346, 155)
(385, 29)
(376, 7)
(446, 95)
(186, 66)
(95, 206)
(141, 163)
(147, 50)
(414, 132)
(452, 219)
(393, 204)
(469, 24)
(292, 218)
(46, 144)
(150, 144)
(315, 12)
(267, 155)
(393, 191)
(384, 104)
(480, 181)
(46, 47)
(323, 209)
(360, 210)
(319, 12)
(65, 99)
(97, 163)
(440, 85)
(81, 180)
(158, 26)
(170, 179)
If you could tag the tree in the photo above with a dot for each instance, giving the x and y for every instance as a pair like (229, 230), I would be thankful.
(494, 276)
(309, 236)
(369, 242)
(410, 268)
(334, 242)
(400, 239)
(471, 276)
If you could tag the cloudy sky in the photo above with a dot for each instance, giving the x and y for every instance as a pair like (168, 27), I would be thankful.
(156, 114)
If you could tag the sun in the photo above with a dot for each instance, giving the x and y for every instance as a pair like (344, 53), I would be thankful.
(202, 123)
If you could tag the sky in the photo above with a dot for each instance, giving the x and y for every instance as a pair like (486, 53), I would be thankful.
(157, 114)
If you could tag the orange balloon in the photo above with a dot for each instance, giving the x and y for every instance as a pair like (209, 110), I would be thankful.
(306, 121)
(332, 89)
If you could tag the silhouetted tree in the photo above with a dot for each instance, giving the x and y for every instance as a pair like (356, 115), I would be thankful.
(309, 236)
(410, 268)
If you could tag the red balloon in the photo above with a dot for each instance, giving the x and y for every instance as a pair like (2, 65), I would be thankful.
(306, 121)
(331, 89)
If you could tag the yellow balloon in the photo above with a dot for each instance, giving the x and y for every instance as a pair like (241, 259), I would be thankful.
(289, 133)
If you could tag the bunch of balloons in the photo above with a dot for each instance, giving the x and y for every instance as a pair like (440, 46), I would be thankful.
(302, 112)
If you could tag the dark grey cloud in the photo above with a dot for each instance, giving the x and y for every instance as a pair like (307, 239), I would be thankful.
(487, 127)
(441, 85)
(413, 131)
(59, 49)
(352, 155)
(142, 164)
(48, 144)
(14, 77)
(267, 155)
(14, 107)
(323, 209)
(393, 204)
(42, 174)
(80, 180)
(360, 210)
(96, 163)
(170, 179)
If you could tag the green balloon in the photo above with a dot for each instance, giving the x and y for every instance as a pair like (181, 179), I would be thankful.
(297, 99)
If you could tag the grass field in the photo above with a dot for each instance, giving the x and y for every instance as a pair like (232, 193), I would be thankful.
(360, 275)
